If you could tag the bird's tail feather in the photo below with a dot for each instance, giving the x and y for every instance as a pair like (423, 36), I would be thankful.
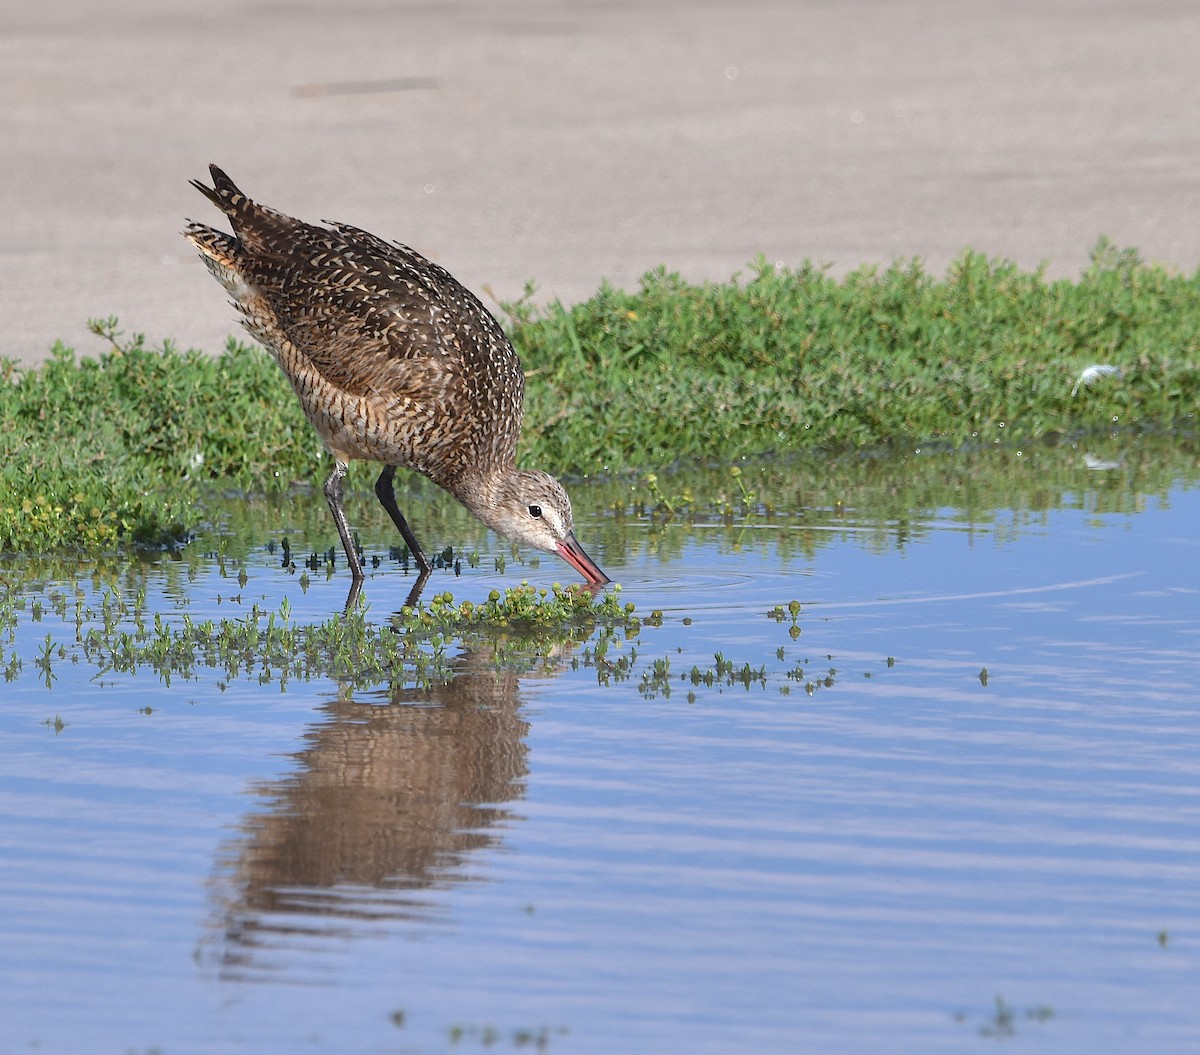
(224, 193)
(259, 228)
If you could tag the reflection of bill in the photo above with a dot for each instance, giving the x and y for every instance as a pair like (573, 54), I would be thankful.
(389, 799)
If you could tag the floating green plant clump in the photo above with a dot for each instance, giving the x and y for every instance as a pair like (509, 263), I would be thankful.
(523, 608)
(128, 446)
(116, 633)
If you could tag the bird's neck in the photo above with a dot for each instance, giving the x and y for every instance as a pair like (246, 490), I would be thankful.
(481, 491)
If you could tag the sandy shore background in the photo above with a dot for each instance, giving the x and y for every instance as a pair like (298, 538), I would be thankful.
(571, 141)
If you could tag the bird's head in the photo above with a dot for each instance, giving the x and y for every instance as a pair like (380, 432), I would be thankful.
(532, 508)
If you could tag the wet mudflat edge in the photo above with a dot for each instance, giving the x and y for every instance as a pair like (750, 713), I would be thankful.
(949, 798)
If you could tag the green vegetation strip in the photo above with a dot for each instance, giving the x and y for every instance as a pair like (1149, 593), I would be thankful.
(116, 633)
(126, 447)
(526, 630)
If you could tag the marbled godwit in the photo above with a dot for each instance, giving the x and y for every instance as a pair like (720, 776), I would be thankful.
(393, 361)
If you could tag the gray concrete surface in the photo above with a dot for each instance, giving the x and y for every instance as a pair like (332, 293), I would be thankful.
(576, 140)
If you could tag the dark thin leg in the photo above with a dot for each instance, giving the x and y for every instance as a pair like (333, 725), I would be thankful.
(387, 498)
(333, 495)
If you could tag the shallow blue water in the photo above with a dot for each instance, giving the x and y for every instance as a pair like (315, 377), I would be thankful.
(863, 856)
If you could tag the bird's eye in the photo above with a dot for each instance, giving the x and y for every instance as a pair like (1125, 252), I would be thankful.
(535, 511)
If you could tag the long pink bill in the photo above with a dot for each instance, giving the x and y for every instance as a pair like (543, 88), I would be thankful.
(572, 552)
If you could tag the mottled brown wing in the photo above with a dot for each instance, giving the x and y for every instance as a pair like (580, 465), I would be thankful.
(472, 325)
(373, 318)
(374, 315)
(425, 296)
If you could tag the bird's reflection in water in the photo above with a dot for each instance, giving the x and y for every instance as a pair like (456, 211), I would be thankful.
(390, 798)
